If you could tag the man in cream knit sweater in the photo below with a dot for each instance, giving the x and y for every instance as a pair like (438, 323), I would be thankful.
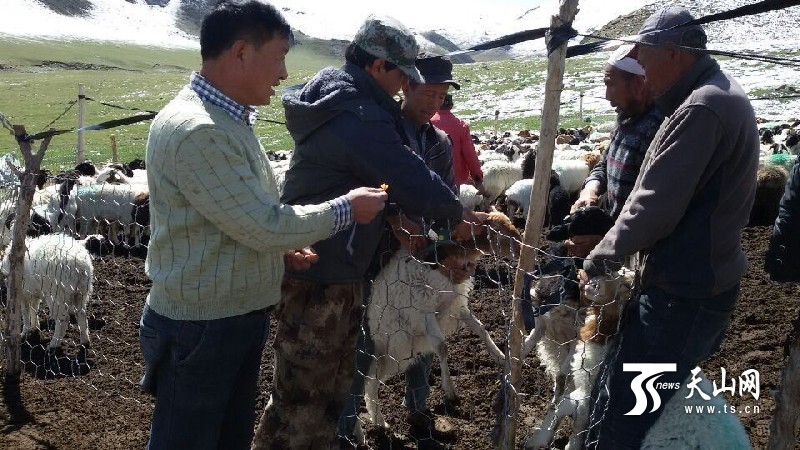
(220, 237)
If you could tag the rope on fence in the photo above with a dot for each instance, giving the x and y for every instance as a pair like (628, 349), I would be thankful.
(69, 106)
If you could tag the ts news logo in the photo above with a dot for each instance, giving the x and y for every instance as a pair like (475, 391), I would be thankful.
(650, 373)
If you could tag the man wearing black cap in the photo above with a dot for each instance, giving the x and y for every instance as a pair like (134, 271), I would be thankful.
(421, 101)
(684, 219)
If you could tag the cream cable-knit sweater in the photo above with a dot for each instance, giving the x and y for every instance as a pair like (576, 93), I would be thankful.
(218, 229)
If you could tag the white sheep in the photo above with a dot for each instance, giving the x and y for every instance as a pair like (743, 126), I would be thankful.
(469, 196)
(518, 195)
(413, 309)
(571, 173)
(487, 156)
(583, 347)
(497, 177)
(111, 203)
(57, 269)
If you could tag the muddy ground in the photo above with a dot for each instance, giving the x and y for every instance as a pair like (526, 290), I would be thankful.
(90, 399)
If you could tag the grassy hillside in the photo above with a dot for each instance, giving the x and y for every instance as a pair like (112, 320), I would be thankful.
(40, 78)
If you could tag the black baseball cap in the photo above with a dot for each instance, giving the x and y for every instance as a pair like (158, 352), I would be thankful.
(436, 69)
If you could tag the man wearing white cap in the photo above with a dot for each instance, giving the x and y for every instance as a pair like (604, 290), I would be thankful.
(637, 122)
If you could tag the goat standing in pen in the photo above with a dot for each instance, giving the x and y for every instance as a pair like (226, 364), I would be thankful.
(415, 305)
(59, 270)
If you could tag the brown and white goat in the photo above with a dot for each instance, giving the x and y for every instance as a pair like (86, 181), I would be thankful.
(415, 306)
(605, 296)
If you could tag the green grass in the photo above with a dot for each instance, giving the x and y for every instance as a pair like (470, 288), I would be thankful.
(33, 94)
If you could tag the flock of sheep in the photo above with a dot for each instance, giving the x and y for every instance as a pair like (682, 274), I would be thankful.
(413, 309)
(66, 217)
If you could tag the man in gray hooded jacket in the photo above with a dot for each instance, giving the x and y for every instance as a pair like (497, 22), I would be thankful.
(345, 125)
(684, 218)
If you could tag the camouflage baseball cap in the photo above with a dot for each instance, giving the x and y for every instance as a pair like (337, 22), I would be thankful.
(386, 38)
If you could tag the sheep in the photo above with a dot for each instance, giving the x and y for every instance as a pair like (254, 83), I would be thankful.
(518, 195)
(497, 177)
(770, 184)
(490, 155)
(111, 203)
(608, 295)
(469, 196)
(137, 164)
(555, 295)
(413, 309)
(57, 269)
(140, 217)
(571, 173)
(117, 174)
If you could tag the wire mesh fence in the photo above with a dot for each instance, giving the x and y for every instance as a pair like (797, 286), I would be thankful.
(438, 320)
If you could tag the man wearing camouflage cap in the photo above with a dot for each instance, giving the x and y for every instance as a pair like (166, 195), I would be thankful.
(683, 218)
(344, 123)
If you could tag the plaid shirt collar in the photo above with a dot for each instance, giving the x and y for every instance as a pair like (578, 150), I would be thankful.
(207, 92)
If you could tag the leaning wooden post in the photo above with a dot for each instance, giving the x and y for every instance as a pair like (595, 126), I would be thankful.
(114, 155)
(27, 178)
(80, 155)
(785, 422)
(535, 220)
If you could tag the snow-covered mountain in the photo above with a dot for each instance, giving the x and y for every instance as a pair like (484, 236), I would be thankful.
(174, 23)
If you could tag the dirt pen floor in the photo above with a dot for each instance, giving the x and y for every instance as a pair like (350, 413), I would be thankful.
(97, 405)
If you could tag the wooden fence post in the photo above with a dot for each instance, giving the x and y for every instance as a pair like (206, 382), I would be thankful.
(535, 220)
(80, 155)
(13, 326)
(114, 155)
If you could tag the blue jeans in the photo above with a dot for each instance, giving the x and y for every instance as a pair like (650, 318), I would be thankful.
(658, 328)
(204, 375)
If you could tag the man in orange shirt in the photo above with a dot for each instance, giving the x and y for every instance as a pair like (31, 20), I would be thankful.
(466, 166)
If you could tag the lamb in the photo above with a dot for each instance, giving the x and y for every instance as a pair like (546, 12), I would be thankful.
(469, 196)
(413, 309)
(497, 177)
(518, 195)
(608, 295)
(674, 429)
(57, 269)
(571, 173)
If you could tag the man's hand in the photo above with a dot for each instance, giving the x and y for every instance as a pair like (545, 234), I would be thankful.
(408, 233)
(582, 245)
(470, 226)
(366, 203)
(300, 259)
(588, 196)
